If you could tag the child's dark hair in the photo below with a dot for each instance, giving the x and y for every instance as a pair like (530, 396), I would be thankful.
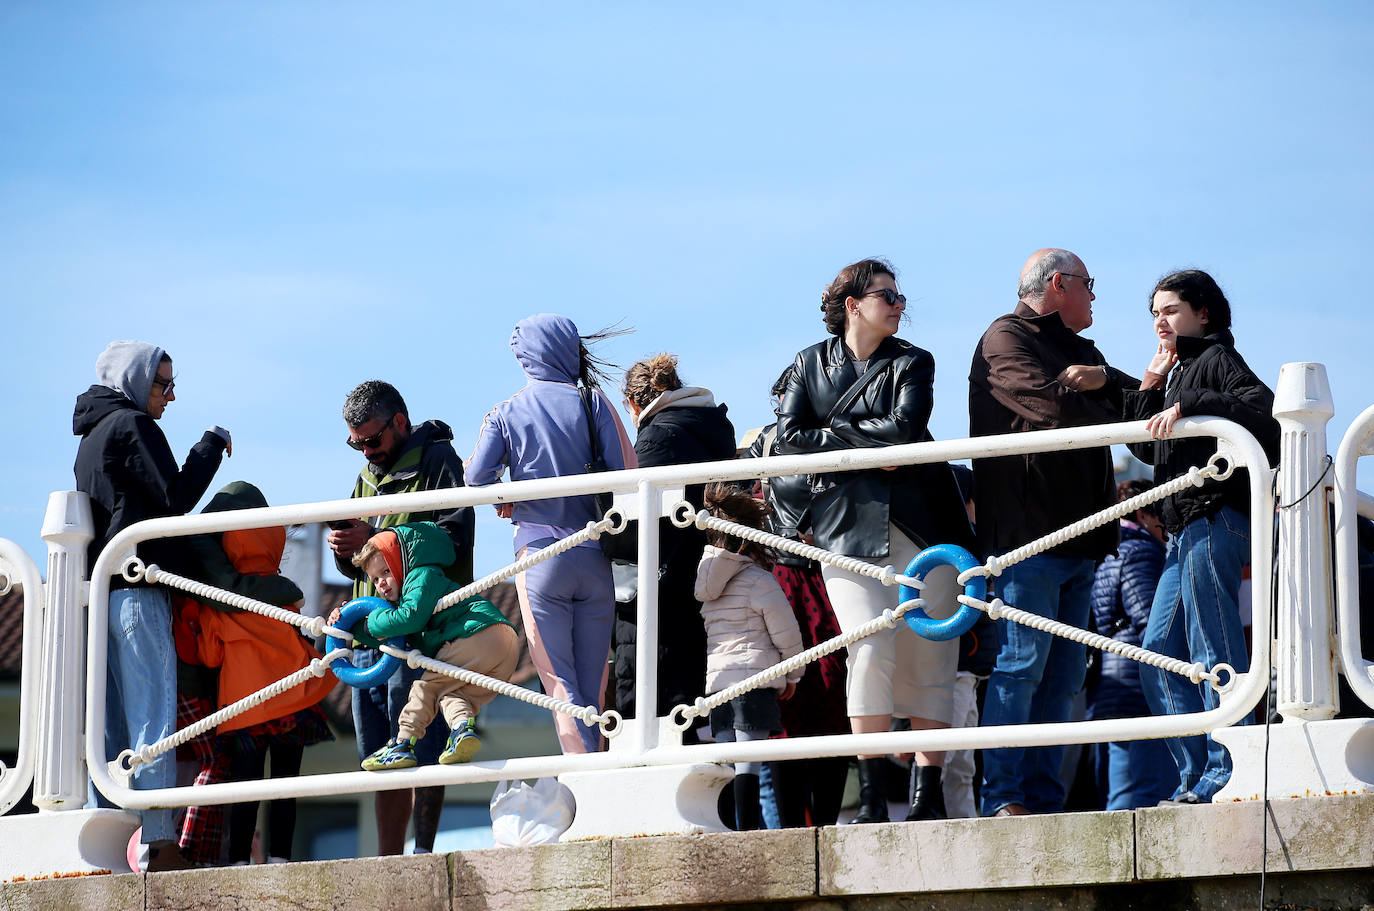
(735, 504)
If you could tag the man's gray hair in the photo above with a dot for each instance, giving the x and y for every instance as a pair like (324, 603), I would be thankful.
(373, 400)
(1037, 278)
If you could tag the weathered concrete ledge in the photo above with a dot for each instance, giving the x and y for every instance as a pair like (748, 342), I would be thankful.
(1320, 855)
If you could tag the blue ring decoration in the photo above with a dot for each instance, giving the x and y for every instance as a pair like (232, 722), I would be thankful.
(362, 677)
(962, 620)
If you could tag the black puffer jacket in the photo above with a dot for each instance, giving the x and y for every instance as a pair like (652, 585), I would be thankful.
(1211, 379)
(127, 468)
(850, 511)
(681, 427)
(1123, 591)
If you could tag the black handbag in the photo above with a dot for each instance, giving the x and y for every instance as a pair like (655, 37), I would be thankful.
(604, 501)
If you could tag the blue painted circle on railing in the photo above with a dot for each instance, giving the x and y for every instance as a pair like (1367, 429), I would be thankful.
(962, 620)
(363, 677)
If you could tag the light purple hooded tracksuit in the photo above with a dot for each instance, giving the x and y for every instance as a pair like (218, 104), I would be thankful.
(541, 432)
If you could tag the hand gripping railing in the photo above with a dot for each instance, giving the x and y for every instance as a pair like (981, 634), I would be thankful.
(1221, 677)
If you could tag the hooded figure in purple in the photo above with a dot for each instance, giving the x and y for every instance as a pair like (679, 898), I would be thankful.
(568, 602)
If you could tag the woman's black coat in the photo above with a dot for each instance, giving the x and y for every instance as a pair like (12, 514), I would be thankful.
(850, 511)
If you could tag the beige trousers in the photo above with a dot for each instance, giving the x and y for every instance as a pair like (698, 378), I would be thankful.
(494, 651)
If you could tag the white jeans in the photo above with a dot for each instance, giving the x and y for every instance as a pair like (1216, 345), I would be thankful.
(957, 780)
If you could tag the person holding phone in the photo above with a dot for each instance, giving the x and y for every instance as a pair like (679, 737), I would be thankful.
(401, 458)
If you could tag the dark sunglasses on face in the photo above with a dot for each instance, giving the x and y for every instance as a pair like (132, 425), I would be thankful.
(1088, 280)
(165, 384)
(887, 294)
(371, 442)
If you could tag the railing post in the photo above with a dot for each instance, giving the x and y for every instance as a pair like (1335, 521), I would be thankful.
(646, 623)
(60, 773)
(1306, 658)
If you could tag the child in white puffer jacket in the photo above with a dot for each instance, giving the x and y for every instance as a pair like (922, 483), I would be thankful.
(749, 627)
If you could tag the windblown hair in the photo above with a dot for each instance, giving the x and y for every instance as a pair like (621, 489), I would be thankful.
(852, 281)
(373, 400)
(1037, 278)
(1198, 290)
(365, 553)
(591, 369)
(735, 504)
(646, 380)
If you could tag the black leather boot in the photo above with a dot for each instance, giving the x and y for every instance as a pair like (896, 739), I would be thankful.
(927, 793)
(746, 802)
(872, 800)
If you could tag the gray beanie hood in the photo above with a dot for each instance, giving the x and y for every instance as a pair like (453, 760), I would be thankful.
(129, 367)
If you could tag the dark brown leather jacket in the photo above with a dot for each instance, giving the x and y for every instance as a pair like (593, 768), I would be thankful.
(1014, 387)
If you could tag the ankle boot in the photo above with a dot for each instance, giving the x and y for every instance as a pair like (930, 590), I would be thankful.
(746, 801)
(872, 800)
(927, 793)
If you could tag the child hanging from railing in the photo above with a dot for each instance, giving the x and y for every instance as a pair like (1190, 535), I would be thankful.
(406, 565)
(749, 628)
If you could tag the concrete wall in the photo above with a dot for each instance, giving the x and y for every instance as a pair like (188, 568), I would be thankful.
(1320, 855)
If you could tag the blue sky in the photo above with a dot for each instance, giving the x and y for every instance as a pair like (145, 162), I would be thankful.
(294, 197)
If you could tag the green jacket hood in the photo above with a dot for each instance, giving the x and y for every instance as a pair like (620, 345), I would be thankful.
(424, 544)
(236, 495)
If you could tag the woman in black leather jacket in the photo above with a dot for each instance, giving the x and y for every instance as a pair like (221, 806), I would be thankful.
(861, 389)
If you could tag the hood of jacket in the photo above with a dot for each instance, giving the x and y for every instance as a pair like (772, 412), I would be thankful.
(548, 348)
(129, 367)
(424, 544)
(686, 397)
(256, 551)
(717, 567)
(97, 403)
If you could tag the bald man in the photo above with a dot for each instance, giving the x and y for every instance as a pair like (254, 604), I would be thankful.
(1033, 370)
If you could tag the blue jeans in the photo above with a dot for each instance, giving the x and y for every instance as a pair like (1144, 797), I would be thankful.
(1035, 679)
(140, 693)
(377, 711)
(1135, 773)
(1196, 617)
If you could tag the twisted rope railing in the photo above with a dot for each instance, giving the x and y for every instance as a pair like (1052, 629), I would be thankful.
(1196, 672)
(609, 720)
(124, 765)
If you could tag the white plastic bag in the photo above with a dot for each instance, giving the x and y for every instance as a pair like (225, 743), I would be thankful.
(525, 814)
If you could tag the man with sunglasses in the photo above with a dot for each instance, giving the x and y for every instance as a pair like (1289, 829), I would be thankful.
(1032, 370)
(126, 467)
(401, 458)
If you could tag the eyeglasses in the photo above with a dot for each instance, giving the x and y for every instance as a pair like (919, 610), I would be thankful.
(1087, 279)
(371, 442)
(165, 384)
(887, 294)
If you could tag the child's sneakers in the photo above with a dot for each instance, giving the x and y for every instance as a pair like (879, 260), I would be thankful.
(396, 754)
(463, 744)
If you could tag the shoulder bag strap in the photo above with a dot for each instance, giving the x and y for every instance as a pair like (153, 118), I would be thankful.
(874, 368)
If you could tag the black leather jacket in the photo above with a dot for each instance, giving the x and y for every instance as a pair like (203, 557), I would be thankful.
(850, 511)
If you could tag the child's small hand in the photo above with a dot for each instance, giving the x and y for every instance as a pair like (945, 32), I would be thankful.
(788, 691)
(504, 510)
(334, 615)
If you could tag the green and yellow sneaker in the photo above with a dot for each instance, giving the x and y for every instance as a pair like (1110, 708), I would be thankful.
(463, 744)
(396, 754)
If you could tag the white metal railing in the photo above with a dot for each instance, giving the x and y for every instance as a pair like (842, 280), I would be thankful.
(17, 568)
(653, 489)
(1350, 503)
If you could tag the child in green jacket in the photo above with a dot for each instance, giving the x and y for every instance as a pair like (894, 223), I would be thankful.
(406, 564)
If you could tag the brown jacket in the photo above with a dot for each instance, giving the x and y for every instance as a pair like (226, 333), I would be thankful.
(1014, 387)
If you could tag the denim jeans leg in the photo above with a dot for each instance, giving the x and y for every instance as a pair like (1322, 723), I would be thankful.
(1215, 553)
(1165, 692)
(1016, 675)
(140, 706)
(1065, 669)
